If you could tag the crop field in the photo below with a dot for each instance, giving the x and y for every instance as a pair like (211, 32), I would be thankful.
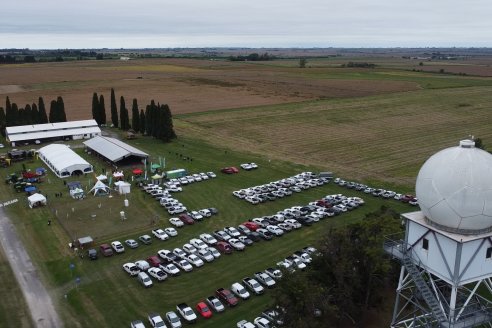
(371, 125)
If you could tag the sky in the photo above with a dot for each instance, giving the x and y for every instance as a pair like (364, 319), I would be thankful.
(56, 24)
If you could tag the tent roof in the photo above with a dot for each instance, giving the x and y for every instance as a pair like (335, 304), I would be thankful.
(85, 240)
(36, 198)
(113, 149)
(101, 177)
(61, 156)
(51, 130)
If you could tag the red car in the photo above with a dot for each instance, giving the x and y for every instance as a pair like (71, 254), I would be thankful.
(251, 226)
(203, 309)
(227, 296)
(187, 219)
(224, 247)
(106, 250)
(229, 170)
(154, 261)
(407, 198)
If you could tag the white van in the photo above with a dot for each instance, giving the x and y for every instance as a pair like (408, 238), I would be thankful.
(144, 279)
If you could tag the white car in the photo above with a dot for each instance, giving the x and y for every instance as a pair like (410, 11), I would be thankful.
(246, 166)
(211, 174)
(142, 265)
(174, 189)
(131, 269)
(173, 319)
(176, 210)
(265, 279)
(190, 249)
(157, 273)
(196, 216)
(215, 304)
(275, 230)
(205, 255)
(179, 253)
(205, 212)
(261, 322)
(209, 239)
(240, 291)
(171, 232)
(137, 324)
(245, 324)
(253, 285)
(297, 263)
(214, 252)
(274, 273)
(176, 222)
(170, 269)
(304, 257)
(184, 265)
(233, 232)
(160, 234)
(195, 260)
(293, 223)
(117, 246)
(199, 244)
(156, 321)
(144, 279)
(284, 226)
(236, 244)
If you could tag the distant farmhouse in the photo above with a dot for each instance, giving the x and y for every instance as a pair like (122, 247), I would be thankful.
(52, 131)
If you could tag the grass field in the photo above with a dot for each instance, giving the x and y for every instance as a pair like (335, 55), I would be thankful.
(377, 126)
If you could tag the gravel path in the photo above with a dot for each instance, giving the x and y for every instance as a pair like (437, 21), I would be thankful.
(37, 297)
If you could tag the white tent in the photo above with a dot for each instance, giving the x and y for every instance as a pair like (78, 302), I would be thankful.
(63, 161)
(36, 200)
(122, 187)
(102, 177)
(100, 188)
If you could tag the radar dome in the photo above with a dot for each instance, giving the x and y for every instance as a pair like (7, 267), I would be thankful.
(454, 189)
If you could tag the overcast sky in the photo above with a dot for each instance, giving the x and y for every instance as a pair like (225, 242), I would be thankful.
(251, 23)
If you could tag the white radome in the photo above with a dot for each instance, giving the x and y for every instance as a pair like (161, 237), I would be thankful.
(454, 189)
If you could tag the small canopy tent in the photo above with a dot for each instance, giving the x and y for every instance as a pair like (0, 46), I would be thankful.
(102, 177)
(100, 189)
(36, 200)
(118, 175)
(85, 241)
(137, 171)
(122, 187)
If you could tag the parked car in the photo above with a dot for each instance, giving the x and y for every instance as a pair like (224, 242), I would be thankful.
(251, 225)
(240, 291)
(190, 249)
(179, 253)
(253, 285)
(229, 170)
(171, 232)
(275, 230)
(186, 313)
(92, 253)
(205, 255)
(226, 296)
(144, 279)
(142, 265)
(106, 250)
(176, 222)
(170, 269)
(274, 273)
(245, 324)
(117, 247)
(166, 255)
(154, 261)
(160, 234)
(195, 260)
(265, 279)
(131, 269)
(145, 239)
(221, 235)
(157, 273)
(207, 238)
(215, 304)
(137, 324)
(184, 265)
(265, 234)
(224, 247)
(214, 252)
(173, 319)
(245, 240)
(236, 244)
(203, 310)
(186, 219)
(261, 322)
(274, 315)
(131, 243)
(156, 320)
(198, 243)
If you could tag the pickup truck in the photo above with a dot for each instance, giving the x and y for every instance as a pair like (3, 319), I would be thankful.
(227, 296)
(186, 312)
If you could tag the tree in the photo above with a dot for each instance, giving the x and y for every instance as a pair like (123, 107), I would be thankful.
(35, 113)
(28, 117)
(479, 143)
(61, 115)
(302, 62)
(346, 280)
(43, 118)
(124, 119)
(102, 110)
(114, 110)
(8, 110)
(167, 124)
(14, 115)
(95, 108)
(135, 116)
(148, 121)
(53, 111)
(142, 122)
(3, 121)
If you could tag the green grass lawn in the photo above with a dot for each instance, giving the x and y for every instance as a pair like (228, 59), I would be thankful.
(108, 297)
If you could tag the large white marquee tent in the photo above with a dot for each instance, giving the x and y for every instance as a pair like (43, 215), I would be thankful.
(63, 161)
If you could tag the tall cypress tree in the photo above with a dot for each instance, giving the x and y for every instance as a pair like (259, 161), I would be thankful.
(8, 115)
(122, 113)
(95, 108)
(142, 122)
(28, 117)
(61, 115)
(114, 109)
(53, 112)
(148, 121)
(43, 118)
(35, 113)
(3, 121)
(168, 124)
(135, 116)
(14, 115)
(102, 110)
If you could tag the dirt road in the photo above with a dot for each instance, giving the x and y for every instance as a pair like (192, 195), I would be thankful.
(37, 298)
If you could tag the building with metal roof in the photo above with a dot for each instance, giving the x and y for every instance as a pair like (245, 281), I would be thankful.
(83, 129)
(114, 150)
(63, 161)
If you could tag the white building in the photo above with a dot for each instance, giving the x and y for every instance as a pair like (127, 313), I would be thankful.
(84, 129)
(63, 161)
(115, 150)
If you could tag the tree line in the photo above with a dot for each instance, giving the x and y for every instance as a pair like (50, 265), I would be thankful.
(155, 121)
(32, 113)
(253, 57)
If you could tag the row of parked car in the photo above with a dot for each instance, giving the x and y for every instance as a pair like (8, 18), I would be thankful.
(280, 188)
(257, 284)
(378, 192)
